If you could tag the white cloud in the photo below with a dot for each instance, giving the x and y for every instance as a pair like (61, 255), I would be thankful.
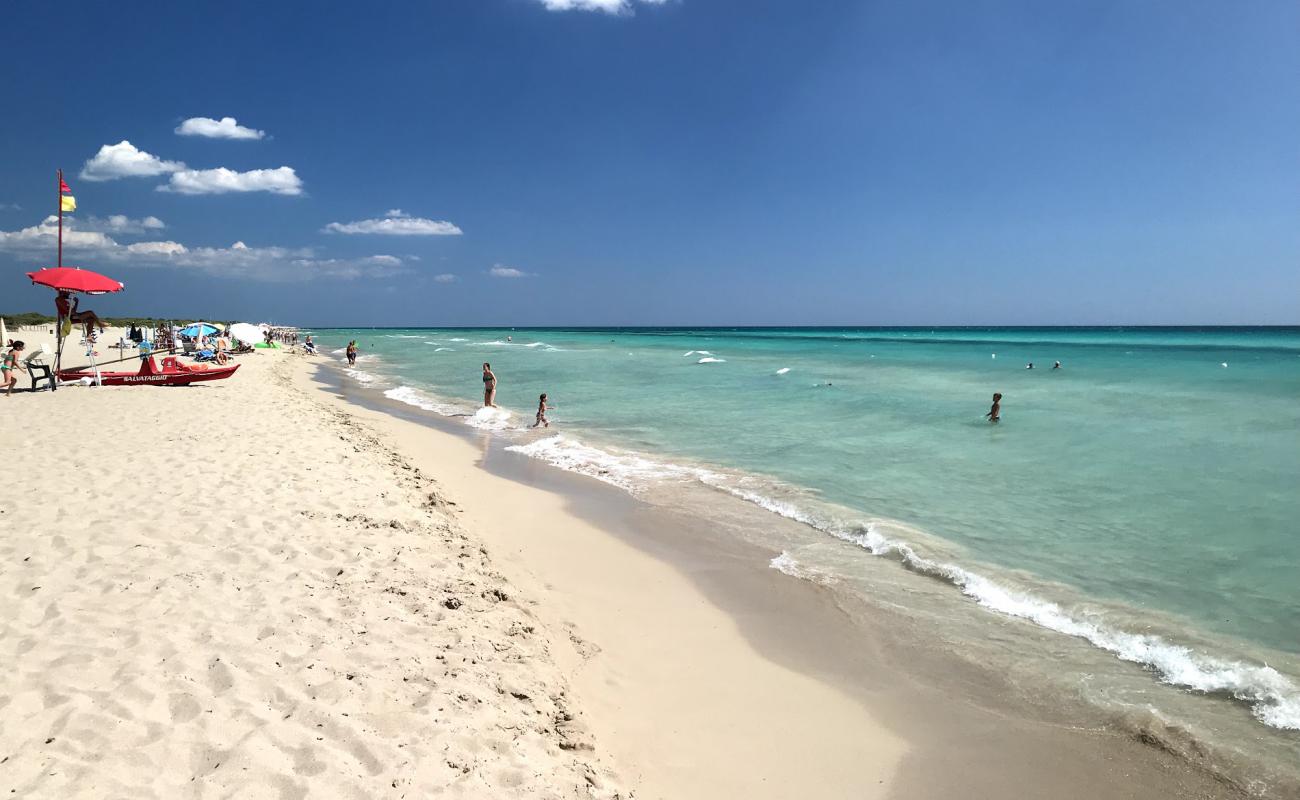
(119, 223)
(608, 6)
(157, 248)
(445, 277)
(502, 271)
(237, 261)
(125, 160)
(224, 128)
(221, 181)
(397, 223)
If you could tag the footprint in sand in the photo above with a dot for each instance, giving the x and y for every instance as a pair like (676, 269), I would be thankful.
(183, 708)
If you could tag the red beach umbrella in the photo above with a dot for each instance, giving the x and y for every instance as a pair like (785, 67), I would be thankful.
(75, 279)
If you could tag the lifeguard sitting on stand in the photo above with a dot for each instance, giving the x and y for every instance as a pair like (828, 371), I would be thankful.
(67, 306)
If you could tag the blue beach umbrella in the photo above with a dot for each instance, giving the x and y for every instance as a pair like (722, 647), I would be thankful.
(193, 330)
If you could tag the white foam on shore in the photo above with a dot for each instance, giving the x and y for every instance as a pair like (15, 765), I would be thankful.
(414, 397)
(624, 470)
(491, 419)
(1274, 698)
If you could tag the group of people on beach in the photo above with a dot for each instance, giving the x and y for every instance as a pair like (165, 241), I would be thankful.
(490, 396)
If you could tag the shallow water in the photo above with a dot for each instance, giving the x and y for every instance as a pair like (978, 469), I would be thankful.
(1142, 498)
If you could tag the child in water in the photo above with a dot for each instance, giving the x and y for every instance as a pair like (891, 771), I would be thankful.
(995, 413)
(542, 408)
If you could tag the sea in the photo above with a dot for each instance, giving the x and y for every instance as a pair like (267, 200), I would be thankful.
(1126, 537)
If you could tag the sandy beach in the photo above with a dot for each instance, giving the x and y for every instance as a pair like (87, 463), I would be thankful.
(259, 587)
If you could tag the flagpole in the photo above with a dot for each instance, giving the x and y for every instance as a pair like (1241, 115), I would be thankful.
(59, 191)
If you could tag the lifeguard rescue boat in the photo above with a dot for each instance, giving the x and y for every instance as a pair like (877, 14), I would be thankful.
(172, 373)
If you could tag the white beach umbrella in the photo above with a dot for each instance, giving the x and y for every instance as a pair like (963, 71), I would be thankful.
(4, 334)
(246, 333)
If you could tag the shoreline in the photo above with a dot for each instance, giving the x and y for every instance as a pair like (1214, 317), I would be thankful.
(734, 577)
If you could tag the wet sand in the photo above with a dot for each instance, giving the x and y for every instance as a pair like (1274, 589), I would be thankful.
(706, 673)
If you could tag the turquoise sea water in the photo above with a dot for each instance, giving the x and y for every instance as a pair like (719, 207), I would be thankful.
(1155, 473)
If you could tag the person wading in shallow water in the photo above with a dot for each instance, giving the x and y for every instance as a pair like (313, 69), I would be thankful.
(489, 386)
(995, 413)
(352, 352)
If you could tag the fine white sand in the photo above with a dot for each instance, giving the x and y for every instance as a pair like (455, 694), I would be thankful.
(229, 590)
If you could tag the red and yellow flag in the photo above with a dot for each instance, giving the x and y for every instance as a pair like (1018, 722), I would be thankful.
(66, 201)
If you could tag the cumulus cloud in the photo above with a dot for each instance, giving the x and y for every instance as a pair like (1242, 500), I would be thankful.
(224, 128)
(608, 6)
(119, 223)
(396, 223)
(445, 277)
(125, 160)
(502, 271)
(222, 181)
(239, 260)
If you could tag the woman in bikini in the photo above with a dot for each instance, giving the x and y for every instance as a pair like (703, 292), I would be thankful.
(489, 386)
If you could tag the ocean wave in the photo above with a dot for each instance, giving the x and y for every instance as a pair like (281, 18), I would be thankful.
(491, 419)
(360, 376)
(624, 470)
(445, 350)
(414, 397)
(689, 353)
(782, 370)
(711, 360)
(1273, 698)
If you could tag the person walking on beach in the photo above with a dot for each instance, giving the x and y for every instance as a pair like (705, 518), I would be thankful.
(995, 413)
(542, 408)
(10, 366)
(489, 386)
(352, 352)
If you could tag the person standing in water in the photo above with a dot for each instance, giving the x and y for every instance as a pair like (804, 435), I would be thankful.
(489, 386)
(995, 413)
(352, 352)
(542, 408)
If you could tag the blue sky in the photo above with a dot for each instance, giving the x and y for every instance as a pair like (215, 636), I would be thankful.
(681, 162)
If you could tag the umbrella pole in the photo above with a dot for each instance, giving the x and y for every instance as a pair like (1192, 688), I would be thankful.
(58, 353)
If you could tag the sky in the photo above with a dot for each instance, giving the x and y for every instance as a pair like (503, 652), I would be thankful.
(659, 162)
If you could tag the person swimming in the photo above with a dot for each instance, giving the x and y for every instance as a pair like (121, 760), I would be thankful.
(995, 413)
(1057, 365)
(1030, 365)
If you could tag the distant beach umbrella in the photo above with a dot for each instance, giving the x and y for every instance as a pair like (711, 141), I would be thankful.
(200, 329)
